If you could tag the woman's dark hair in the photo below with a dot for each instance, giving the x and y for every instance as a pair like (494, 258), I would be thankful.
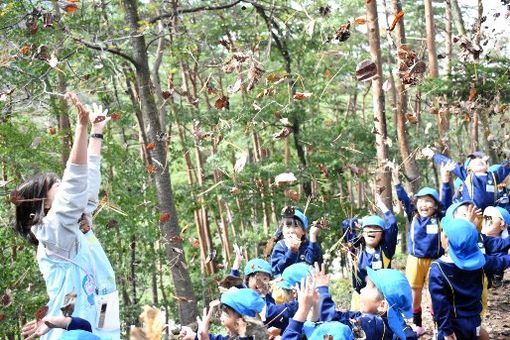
(29, 201)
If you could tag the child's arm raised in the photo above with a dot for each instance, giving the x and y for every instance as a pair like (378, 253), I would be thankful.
(502, 171)
(389, 243)
(438, 158)
(306, 293)
(446, 188)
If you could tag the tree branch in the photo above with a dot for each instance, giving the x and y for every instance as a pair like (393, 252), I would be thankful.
(97, 47)
(193, 10)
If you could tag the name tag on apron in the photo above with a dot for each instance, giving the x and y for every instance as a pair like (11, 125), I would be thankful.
(489, 188)
(376, 265)
(107, 311)
(432, 228)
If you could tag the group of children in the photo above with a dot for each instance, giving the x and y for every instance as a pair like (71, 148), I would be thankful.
(457, 246)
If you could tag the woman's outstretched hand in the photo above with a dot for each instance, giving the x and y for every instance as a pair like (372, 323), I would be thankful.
(83, 113)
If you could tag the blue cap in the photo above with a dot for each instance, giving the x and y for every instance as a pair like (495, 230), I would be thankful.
(244, 301)
(451, 210)
(463, 244)
(78, 334)
(293, 275)
(427, 191)
(300, 216)
(317, 331)
(372, 220)
(498, 212)
(257, 265)
(397, 292)
(457, 183)
(494, 167)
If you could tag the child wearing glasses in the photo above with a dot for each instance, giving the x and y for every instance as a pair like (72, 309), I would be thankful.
(494, 235)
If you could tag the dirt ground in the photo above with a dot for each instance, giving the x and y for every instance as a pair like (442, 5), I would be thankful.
(497, 320)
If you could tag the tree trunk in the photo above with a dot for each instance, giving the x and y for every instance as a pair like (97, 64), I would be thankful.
(383, 177)
(410, 167)
(431, 39)
(170, 229)
(459, 22)
(449, 37)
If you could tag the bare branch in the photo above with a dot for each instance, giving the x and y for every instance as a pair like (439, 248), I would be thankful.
(98, 47)
(193, 10)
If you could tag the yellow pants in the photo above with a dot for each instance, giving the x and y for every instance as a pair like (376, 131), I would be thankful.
(417, 271)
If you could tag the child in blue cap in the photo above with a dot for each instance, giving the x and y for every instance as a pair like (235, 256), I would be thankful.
(307, 297)
(480, 184)
(496, 221)
(291, 276)
(375, 249)
(237, 307)
(385, 302)
(257, 276)
(456, 282)
(295, 247)
(424, 236)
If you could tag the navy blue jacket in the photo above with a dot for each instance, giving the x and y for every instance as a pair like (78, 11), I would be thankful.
(294, 330)
(282, 257)
(455, 293)
(424, 237)
(374, 326)
(483, 189)
(276, 315)
(382, 255)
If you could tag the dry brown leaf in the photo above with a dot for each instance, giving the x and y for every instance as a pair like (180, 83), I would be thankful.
(25, 50)
(293, 195)
(344, 32)
(360, 21)
(302, 95)
(327, 73)
(283, 133)
(366, 70)
(472, 94)
(221, 103)
(396, 20)
(411, 118)
(151, 168)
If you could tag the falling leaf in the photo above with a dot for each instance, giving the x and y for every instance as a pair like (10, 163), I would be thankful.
(343, 33)
(293, 195)
(7, 298)
(235, 190)
(52, 130)
(241, 162)
(150, 146)
(236, 87)
(41, 313)
(411, 118)
(177, 250)
(302, 95)
(166, 94)
(53, 61)
(164, 217)
(275, 77)
(211, 256)
(266, 92)
(254, 73)
(68, 6)
(32, 26)
(396, 20)
(25, 50)
(99, 119)
(2, 316)
(386, 85)
(256, 106)
(366, 70)
(360, 21)
(419, 67)
(428, 127)
(324, 10)
(381, 189)
(195, 243)
(324, 169)
(151, 168)
(283, 133)
(327, 73)
(285, 122)
(472, 94)
(285, 178)
(278, 114)
(221, 103)
(115, 116)
(67, 307)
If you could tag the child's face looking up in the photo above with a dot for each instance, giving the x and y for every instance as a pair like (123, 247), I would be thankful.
(477, 165)
(492, 225)
(370, 298)
(426, 206)
(372, 236)
(259, 282)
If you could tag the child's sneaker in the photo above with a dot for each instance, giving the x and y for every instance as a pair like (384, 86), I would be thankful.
(419, 330)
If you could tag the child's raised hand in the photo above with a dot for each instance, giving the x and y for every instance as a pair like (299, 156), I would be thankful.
(187, 333)
(427, 152)
(446, 171)
(239, 257)
(98, 117)
(395, 172)
(292, 242)
(320, 277)
(314, 231)
(241, 326)
(203, 324)
(473, 213)
(380, 204)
